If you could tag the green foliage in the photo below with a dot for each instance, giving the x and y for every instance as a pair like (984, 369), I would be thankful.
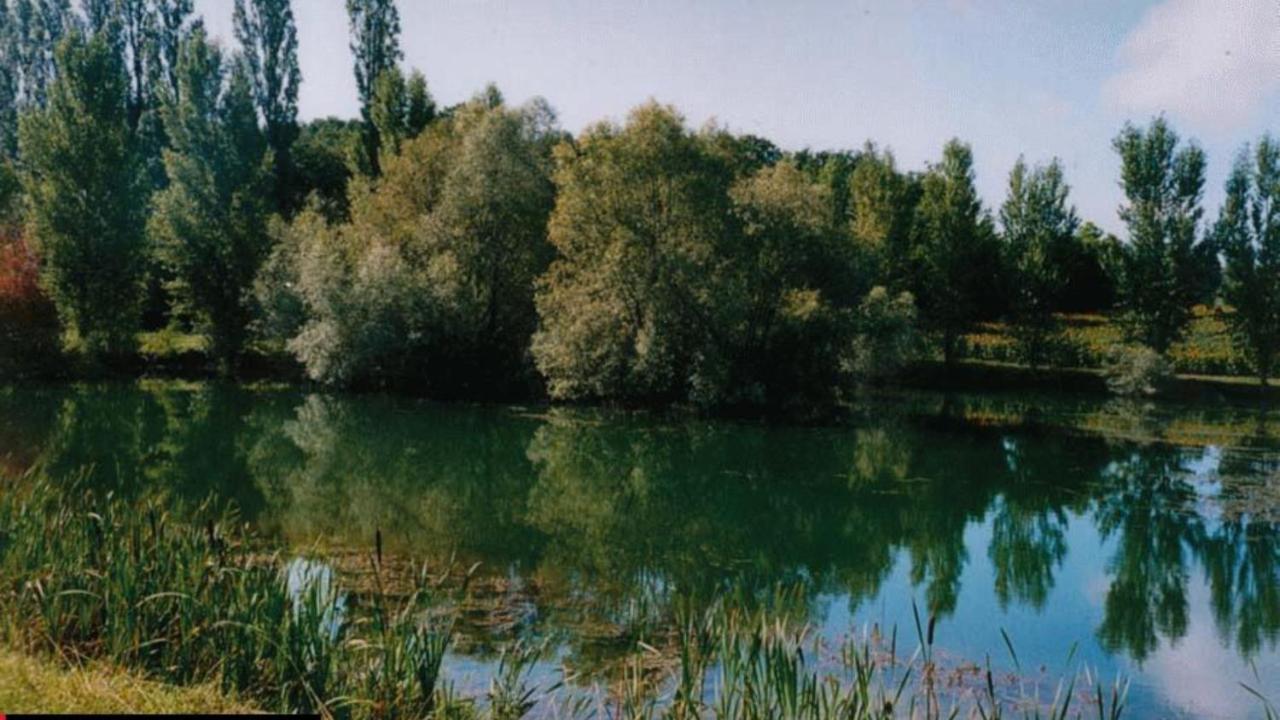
(323, 158)
(1039, 227)
(1088, 268)
(375, 43)
(954, 259)
(266, 31)
(1161, 268)
(80, 147)
(433, 277)
(783, 297)
(881, 204)
(640, 217)
(210, 222)
(1248, 230)
(1137, 370)
(887, 338)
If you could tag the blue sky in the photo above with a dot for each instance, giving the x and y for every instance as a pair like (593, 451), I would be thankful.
(1043, 78)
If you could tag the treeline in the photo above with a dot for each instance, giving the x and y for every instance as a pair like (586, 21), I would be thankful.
(155, 179)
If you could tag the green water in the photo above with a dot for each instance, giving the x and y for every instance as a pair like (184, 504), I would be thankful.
(1146, 538)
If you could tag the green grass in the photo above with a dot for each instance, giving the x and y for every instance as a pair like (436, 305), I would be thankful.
(34, 686)
(169, 343)
(1207, 350)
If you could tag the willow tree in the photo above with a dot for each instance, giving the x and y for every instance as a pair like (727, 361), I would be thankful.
(431, 281)
(783, 296)
(1248, 230)
(640, 212)
(210, 222)
(85, 196)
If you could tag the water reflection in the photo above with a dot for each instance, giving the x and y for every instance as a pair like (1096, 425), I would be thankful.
(594, 522)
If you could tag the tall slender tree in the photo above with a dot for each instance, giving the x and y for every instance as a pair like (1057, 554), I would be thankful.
(1039, 226)
(1163, 262)
(375, 43)
(210, 222)
(137, 24)
(8, 86)
(1248, 230)
(269, 39)
(171, 27)
(85, 201)
(953, 236)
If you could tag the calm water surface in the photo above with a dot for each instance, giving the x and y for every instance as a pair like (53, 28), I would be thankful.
(1146, 538)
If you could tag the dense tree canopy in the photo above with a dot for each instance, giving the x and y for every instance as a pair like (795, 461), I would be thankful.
(476, 249)
(83, 188)
(641, 211)
(431, 281)
(210, 222)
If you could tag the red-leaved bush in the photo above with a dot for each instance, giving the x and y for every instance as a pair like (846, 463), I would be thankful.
(29, 329)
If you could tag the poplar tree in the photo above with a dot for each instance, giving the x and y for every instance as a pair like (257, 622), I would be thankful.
(85, 198)
(375, 43)
(1039, 226)
(171, 27)
(953, 237)
(268, 36)
(1248, 230)
(210, 222)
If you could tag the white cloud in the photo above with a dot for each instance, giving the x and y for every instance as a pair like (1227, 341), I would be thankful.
(1209, 62)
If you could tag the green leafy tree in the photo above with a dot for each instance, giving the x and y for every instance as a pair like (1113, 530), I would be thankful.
(171, 28)
(389, 112)
(431, 281)
(1248, 230)
(375, 43)
(322, 165)
(401, 110)
(782, 298)
(1089, 270)
(881, 203)
(268, 36)
(640, 212)
(1161, 269)
(1039, 226)
(421, 108)
(85, 196)
(9, 79)
(136, 25)
(36, 27)
(210, 222)
(952, 248)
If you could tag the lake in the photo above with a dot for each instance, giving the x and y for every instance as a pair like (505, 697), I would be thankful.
(1130, 539)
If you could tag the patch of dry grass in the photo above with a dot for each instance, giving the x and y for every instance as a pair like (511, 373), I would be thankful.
(31, 685)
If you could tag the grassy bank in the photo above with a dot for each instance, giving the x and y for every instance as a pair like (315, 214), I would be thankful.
(31, 685)
(1086, 341)
(191, 598)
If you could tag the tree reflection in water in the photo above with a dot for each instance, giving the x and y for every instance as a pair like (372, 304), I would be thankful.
(602, 521)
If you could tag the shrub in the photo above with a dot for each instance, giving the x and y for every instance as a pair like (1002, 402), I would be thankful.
(29, 329)
(887, 337)
(1137, 370)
